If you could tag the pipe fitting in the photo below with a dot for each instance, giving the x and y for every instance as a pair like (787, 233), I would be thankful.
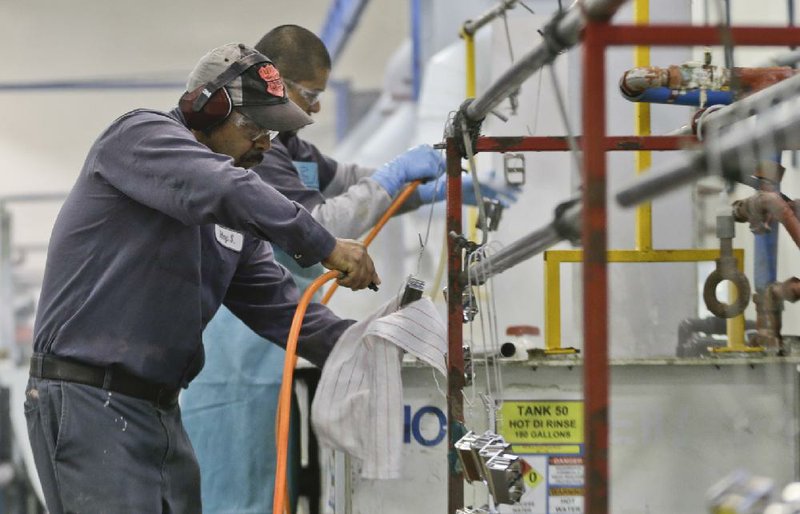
(726, 270)
(769, 312)
(786, 291)
(692, 76)
(763, 208)
(769, 320)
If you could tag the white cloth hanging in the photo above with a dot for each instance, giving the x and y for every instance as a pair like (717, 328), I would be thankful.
(358, 406)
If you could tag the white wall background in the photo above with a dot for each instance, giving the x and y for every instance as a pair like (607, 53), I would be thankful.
(46, 134)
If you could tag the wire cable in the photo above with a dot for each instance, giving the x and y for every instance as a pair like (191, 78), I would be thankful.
(562, 109)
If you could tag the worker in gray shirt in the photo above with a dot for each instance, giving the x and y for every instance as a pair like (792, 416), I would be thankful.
(229, 411)
(164, 224)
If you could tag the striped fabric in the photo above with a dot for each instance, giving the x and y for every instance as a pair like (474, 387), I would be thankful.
(358, 407)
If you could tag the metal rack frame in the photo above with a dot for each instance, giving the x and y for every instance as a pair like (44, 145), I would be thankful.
(598, 35)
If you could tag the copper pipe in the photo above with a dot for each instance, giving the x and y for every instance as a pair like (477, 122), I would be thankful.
(769, 312)
(764, 207)
(788, 290)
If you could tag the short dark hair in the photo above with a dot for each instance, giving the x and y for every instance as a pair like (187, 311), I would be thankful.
(297, 52)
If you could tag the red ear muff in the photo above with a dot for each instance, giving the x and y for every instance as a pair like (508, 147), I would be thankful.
(205, 115)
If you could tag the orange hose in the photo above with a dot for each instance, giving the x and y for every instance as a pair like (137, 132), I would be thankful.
(280, 495)
(284, 399)
(401, 198)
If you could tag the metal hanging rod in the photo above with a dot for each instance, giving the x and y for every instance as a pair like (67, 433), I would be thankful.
(472, 26)
(565, 226)
(562, 32)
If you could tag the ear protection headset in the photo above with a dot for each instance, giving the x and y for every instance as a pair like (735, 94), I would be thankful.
(210, 104)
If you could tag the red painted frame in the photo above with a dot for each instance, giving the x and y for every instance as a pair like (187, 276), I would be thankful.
(597, 36)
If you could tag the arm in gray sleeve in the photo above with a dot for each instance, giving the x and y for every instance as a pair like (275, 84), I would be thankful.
(355, 211)
(157, 162)
(346, 176)
(264, 296)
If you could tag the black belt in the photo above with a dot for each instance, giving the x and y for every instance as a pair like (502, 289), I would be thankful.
(108, 378)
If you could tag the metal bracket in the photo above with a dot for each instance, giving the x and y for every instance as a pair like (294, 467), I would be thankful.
(514, 169)
(473, 128)
(494, 211)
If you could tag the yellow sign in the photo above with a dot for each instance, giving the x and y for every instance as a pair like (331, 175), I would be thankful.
(533, 478)
(551, 422)
(547, 449)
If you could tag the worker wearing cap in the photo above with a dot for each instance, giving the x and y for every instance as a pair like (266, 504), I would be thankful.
(230, 412)
(164, 224)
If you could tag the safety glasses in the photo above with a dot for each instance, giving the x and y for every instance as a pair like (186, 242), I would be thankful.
(309, 95)
(252, 130)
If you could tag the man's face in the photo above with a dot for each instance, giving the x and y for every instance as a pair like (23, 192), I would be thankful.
(239, 138)
(305, 93)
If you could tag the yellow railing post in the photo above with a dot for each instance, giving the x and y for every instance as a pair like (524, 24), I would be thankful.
(469, 45)
(643, 158)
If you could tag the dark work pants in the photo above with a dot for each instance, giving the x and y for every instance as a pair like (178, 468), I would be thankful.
(99, 452)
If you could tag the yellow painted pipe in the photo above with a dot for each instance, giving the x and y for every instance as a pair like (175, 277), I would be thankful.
(469, 45)
(643, 159)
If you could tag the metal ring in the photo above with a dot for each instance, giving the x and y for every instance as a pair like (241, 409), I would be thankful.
(722, 309)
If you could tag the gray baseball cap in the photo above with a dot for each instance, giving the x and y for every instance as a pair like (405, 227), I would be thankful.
(257, 92)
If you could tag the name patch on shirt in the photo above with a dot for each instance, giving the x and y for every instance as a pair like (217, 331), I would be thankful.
(309, 173)
(229, 238)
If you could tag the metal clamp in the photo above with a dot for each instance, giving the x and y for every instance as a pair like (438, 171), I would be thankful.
(486, 458)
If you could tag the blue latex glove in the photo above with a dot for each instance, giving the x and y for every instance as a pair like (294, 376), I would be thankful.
(420, 163)
(435, 192)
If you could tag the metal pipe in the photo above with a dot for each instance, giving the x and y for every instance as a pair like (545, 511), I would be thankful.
(694, 76)
(7, 325)
(750, 105)
(31, 197)
(472, 26)
(416, 48)
(738, 149)
(469, 64)
(562, 32)
(727, 39)
(736, 111)
(120, 83)
(783, 59)
(769, 312)
(764, 205)
(765, 245)
(696, 97)
(695, 335)
(565, 226)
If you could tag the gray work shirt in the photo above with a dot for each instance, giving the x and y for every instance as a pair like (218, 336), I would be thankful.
(280, 169)
(342, 197)
(156, 233)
